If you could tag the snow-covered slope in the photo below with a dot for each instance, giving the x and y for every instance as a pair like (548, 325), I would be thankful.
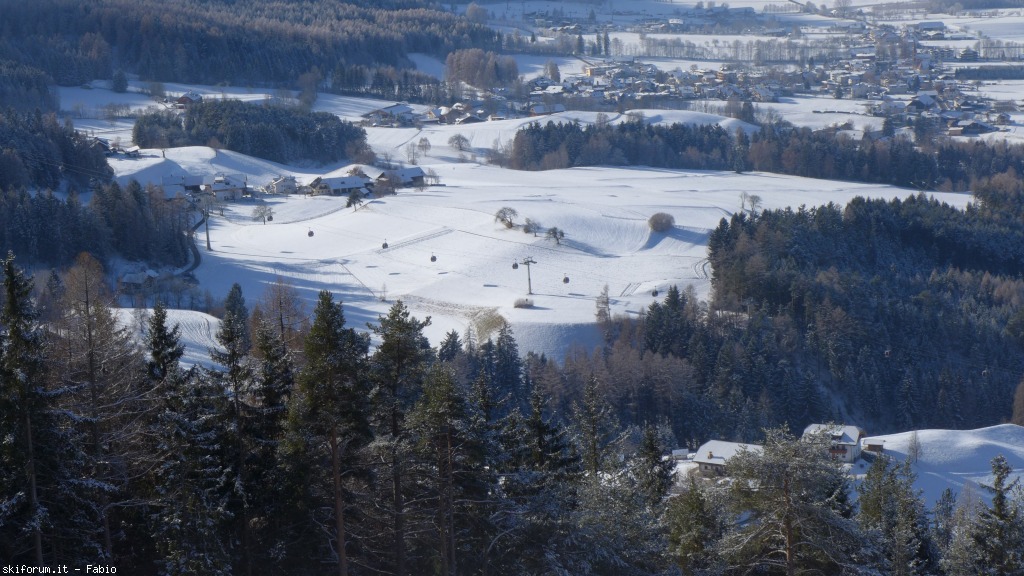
(471, 282)
(198, 331)
(957, 459)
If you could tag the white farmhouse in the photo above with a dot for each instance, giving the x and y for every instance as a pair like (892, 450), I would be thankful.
(845, 439)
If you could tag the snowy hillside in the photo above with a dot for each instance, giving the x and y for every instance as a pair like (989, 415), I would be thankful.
(957, 459)
(471, 282)
(603, 212)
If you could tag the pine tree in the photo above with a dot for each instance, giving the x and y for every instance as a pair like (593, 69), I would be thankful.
(594, 423)
(328, 421)
(892, 512)
(508, 368)
(397, 371)
(452, 449)
(450, 348)
(540, 479)
(273, 383)
(652, 472)
(789, 490)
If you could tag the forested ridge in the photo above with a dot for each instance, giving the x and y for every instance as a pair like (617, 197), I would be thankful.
(305, 452)
(243, 43)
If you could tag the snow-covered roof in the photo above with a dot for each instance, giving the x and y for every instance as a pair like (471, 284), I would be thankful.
(344, 182)
(840, 433)
(406, 175)
(718, 452)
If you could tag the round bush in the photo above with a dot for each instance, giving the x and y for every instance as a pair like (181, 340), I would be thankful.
(661, 222)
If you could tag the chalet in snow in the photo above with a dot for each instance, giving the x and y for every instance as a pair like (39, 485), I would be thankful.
(845, 440)
(713, 456)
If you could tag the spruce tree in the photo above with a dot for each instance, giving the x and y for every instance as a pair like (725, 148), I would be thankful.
(328, 424)
(45, 514)
(451, 448)
(273, 384)
(164, 344)
(696, 521)
(236, 379)
(999, 530)
(191, 523)
(25, 424)
(595, 424)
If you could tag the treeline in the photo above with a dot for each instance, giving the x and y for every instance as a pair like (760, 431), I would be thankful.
(304, 450)
(131, 222)
(272, 132)
(563, 145)
(249, 43)
(24, 88)
(943, 165)
(907, 311)
(37, 151)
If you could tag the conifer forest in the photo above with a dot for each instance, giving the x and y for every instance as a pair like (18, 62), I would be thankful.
(311, 444)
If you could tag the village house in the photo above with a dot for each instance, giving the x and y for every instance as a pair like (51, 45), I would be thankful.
(394, 114)
(188, 98)
(282, 185)
(339, 185)
(411, 176)
(713, 456)
(845, 439)
(225, 187)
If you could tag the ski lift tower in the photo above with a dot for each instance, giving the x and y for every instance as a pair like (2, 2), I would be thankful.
(526, 262)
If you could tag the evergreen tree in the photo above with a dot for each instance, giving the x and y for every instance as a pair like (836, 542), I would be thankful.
(273, 383)
(594, 424)
(696, 522)
(999, 530)
(163, 343)
(397, 371)
(892, 509)
(653, 473)
(540, 479)
(190, 519)
(26, 426)
(236, 379)
(450, 348)
(453, 468)
(508, 368)
(328, 423)
(789, 490)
